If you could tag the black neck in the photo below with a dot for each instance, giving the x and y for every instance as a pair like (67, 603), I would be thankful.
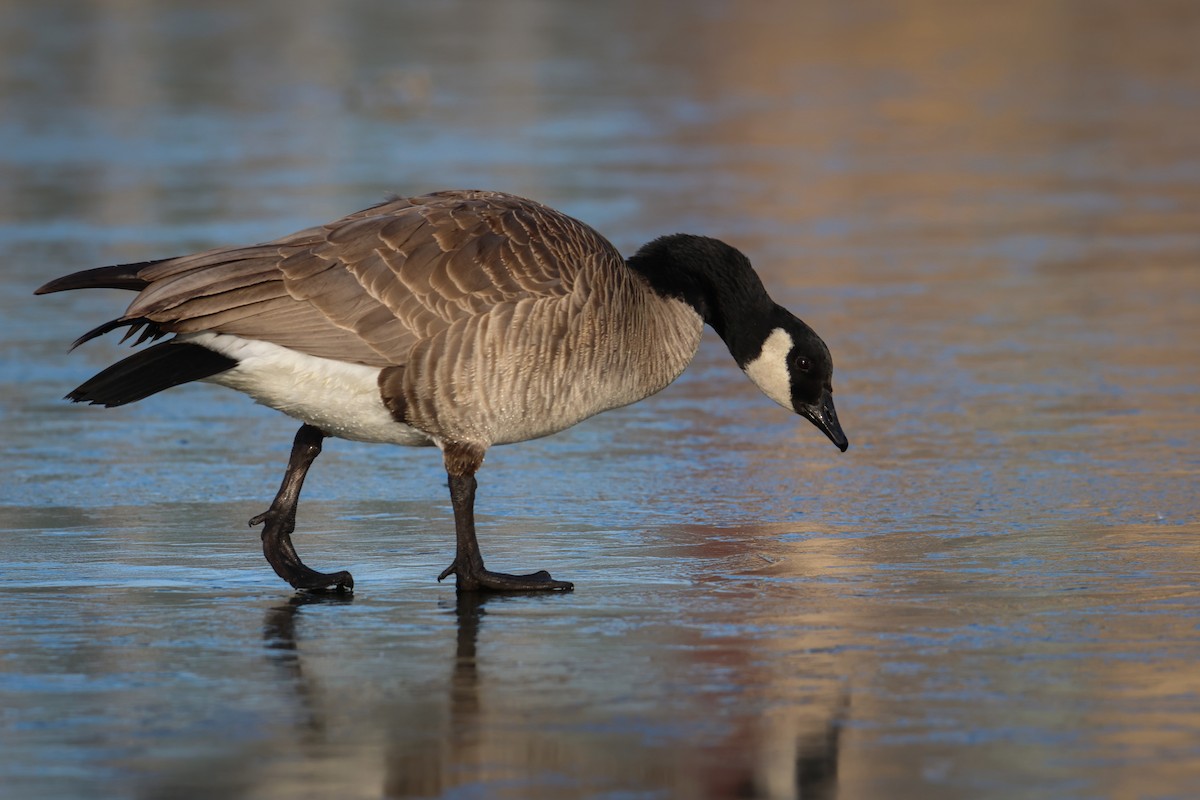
(717, 281)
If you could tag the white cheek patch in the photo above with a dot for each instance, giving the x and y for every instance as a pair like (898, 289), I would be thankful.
(770, 371)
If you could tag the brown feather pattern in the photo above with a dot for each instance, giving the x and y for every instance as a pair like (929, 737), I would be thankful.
(452, 293)
(367, 287)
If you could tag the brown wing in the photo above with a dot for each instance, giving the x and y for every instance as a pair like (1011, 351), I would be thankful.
(367, 287)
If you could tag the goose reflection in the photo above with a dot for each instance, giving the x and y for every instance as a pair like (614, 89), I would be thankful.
(280, 641)
(428, 766)
(465, 734)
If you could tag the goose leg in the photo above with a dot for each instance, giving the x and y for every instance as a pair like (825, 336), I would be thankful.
(470, 573)
(280, 521)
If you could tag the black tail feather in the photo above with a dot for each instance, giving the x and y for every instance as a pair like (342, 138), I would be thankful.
(119, 276)
(150, 371)
(149, 330)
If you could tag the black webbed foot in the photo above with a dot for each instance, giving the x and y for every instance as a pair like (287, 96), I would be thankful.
(279, 521)
(484, 580)
(282, 555)
(471, 575)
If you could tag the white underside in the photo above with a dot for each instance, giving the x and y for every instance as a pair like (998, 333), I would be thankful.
(341, 399)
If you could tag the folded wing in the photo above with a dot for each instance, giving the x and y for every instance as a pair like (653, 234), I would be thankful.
(367, 287)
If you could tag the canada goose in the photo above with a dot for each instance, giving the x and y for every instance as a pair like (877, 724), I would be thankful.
(460, 319)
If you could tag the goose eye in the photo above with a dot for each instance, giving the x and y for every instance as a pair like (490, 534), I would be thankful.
(803, 364)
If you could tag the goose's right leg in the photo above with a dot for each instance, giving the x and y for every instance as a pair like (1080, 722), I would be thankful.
(280, 521)
(468, 569)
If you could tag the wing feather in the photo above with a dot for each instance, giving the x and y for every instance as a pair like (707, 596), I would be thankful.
(369, 287)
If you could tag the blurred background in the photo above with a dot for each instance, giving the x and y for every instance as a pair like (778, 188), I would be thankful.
(990, 212)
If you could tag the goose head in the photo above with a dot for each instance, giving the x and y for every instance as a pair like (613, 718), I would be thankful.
(793, 367)
(784, 357)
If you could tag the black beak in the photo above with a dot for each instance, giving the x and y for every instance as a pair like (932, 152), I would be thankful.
(824, 416)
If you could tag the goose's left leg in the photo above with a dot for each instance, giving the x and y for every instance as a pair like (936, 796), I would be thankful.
(462, 461)
(280, 521)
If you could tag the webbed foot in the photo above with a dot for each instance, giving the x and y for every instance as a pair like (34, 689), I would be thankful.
(282, 555)
(484, 580)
